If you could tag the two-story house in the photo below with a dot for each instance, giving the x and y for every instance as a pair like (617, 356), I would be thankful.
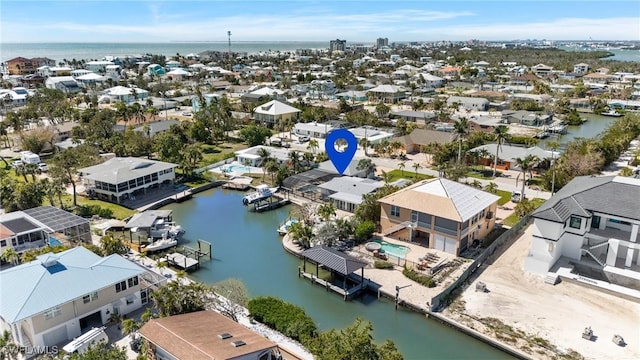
(275, 111)
(57, 297)
(439, 213)
(591, 220)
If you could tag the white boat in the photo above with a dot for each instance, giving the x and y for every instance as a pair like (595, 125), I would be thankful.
(262, 192)
(612, 113)
(284, 229)
(161, 244)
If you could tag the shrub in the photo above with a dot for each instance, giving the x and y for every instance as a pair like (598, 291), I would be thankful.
(381, 264)
(289, 319)
(364, 230)
(90, 210)
(423, 280)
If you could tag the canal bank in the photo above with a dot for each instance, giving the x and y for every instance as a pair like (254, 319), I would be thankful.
(246, 246)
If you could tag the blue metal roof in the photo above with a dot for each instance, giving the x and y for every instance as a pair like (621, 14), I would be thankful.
(55, 279)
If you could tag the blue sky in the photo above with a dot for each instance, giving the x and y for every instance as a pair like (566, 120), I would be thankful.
(305, 20)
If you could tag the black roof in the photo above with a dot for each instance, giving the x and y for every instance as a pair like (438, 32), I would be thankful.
(313, 176)
(606, 194)
(20, 225)
(334, 259)
(56, 219)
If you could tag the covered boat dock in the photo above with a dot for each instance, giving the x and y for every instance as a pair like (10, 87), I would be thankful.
(337, 263)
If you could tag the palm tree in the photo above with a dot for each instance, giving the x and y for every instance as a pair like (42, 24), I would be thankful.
(526, 164)
(313, 145)
(364, 143)
(326, 211)
(460, 131)
(264, 156)
(491, 187)
(401, 167)
(294, 159)
(271, 167)
(9, 349)
(553, 145)
(10, 255)
(500, 134)
(416, 166)
(129, 326)
(368, 166)
(161, 265)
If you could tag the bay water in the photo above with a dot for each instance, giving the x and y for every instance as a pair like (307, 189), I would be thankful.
(246, 246)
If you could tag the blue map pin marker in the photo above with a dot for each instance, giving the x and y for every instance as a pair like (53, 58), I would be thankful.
(342, 158)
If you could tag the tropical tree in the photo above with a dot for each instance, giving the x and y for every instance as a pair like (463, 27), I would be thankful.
(231, 299)
(129, 326)
(271, 166)
(500, 135)
(312, 145)
(65, 165)
(554, 146)
(302, 233)
(326, 211)
(161, 265)
(367, 166)
(8, 349)
(460, 131)
(401, 167)
(10, 255)
(526, 164)
(364, 143)
(491, 187)
(264, 155)
(416, 166)
(294, 160)
(110, 244)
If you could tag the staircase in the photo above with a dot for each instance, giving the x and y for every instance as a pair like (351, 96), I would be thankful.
(396, 228)
(599, 245)
(551, 278)
(600, 260)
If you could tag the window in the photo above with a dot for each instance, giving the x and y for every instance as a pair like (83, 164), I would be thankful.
(3, 243)
(53, 312)
(130, 300)
(414, 216)
(133, 281)
(395, 211)
(482, 213)
(90, 297)
(121, 286)
(575, 222)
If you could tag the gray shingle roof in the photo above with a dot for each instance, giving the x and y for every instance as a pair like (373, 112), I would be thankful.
(334, 259)
(117, 170)
(613, 195)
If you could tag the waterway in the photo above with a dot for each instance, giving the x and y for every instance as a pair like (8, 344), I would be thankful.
(247, 246)
(595, 125)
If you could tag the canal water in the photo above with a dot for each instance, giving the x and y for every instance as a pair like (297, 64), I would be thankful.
(246, 246)
(595, 125)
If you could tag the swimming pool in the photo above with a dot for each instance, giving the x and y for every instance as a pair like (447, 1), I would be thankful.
(237, 169)
(398, 251)
(53, 242)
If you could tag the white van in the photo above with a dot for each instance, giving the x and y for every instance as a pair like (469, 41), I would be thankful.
(82, 343)
(28, 157)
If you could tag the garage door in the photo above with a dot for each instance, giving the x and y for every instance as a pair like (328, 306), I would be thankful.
(56, 336)
(439, 242)
(450, 245)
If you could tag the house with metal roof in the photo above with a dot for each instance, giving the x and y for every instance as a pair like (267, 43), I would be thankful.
(274, 111)
(37, 227)
(57, 297)
(469, 103)
(387, 93)
(592, 221)
(205, 335)
(438, 213)
(119, 178)
(346, 192)
(313, 129)
(507, 154)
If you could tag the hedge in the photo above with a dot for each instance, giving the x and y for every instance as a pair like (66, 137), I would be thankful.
(289, 319)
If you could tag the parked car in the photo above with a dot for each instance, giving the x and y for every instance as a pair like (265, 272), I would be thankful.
(17, 163)
(303, 139)
(186, 113)
(43, 167)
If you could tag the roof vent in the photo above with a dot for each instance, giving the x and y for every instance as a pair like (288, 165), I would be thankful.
(225, 336)
(238, 343)
(50, 261)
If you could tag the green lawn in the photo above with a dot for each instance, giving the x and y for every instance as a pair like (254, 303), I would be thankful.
(213, 153)
(513, 218)
(505, 196)
(408, 174)
(119, 212)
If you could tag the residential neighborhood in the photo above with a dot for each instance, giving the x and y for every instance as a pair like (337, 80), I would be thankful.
(165, 203)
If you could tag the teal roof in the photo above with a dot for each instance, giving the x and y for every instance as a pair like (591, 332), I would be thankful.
(54, 279)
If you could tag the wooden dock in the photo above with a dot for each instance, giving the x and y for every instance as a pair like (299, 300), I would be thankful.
(260, 207)
(329, 286)
(180, 261)
(185, 195)
(236, 186)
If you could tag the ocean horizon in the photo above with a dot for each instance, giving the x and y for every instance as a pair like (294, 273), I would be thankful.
(59, 51)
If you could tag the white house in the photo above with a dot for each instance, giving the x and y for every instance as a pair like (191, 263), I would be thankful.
(314, 130)
(275, 111)
(126, 94)
(345, 192)
(581, 68)
(57, 297)
(469, 103)
(251, 156)
(99, 67)
(594, 221)
(118, 178)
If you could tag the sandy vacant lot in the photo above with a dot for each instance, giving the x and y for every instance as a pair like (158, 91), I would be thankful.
(555, 313)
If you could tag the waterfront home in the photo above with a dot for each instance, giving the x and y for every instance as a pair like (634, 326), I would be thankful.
(90, 79)
(346, 192)
(438, 213)
(251, 157)
(47, 71)
(484, 123)
(469, 103)
(525, 117)
(386, 93)
(155, 70)
(41, 226)
(419, 138)
(98, 67)
(119, 178)
(275, 111)
(205, 335)
(508, 154)
(592, 222)
(57, 297)
(23, 66)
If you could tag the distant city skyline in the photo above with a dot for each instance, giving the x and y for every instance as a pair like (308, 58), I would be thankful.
(306, 20)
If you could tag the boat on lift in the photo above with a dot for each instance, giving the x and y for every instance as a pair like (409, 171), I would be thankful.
(262, 192)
